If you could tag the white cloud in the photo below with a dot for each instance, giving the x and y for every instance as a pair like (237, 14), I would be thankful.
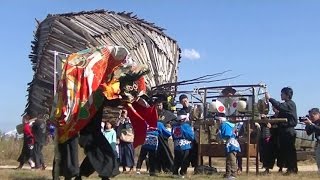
(190, 54)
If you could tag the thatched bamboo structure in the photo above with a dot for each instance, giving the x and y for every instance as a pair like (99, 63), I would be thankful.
(72, 32)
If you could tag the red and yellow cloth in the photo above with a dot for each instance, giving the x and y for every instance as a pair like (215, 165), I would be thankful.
(87, 78)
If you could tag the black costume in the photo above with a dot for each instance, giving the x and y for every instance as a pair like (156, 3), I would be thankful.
(287, 133)
(69, 162)
(100, 156)
(39, 132)
(267, 146)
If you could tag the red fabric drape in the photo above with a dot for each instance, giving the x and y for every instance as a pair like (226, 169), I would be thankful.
(140, 117)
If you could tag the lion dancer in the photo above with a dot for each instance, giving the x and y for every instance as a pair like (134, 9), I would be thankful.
(106, 79)
(99, 153)
(97, 148)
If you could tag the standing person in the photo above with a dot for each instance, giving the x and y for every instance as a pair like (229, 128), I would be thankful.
(39, 131)
(266, 147)
(313, 126)
(239, 135)
(111, 136)
(275, 140)
(150, 146)
(227, 132)
(287, 133)
(187, 109)
(164, 155)
(28, 144)
(183, 136)
(126, 137)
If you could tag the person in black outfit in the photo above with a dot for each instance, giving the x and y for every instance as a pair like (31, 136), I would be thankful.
(287, 133)
(275, 139)
(100, 156)
(313, 127)
(266, 147)
(142, 156)
(27, 154)
(164, 154)
(39, 132)
(68, 160)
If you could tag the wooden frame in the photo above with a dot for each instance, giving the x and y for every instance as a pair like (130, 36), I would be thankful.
(218, 150)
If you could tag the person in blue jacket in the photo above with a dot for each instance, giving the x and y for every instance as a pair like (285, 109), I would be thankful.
(182, 135)
(151, 145)
(227, 133)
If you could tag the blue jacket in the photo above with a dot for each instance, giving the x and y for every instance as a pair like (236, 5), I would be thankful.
(182, 135)
(111, 136)
(151, 142)
(163, 130)
(227, 133)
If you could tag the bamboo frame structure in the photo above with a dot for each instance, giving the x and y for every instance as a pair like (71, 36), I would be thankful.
(252, 117)
(63, 34)
(72, 32)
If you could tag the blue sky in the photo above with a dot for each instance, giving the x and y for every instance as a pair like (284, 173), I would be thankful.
(271, 41)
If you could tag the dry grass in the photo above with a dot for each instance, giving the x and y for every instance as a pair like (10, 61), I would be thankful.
(46, 175)
(10, 150)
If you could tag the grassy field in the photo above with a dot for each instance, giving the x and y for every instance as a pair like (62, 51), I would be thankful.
(10, 150)
(46, 175)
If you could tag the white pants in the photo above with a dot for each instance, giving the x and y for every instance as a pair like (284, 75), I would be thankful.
(31, 163)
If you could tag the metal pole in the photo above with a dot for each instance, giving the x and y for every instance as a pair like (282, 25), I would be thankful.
(57, 155)
(234, 86)
(248, 131)
(258, 134)
(56, 148)
(55, 73)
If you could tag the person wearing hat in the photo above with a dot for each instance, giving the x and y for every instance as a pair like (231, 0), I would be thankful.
(228, 91)
(313, 126)
(182, 135)
(287, 133)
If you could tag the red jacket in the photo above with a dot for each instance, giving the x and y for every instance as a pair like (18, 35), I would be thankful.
(28, 136)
